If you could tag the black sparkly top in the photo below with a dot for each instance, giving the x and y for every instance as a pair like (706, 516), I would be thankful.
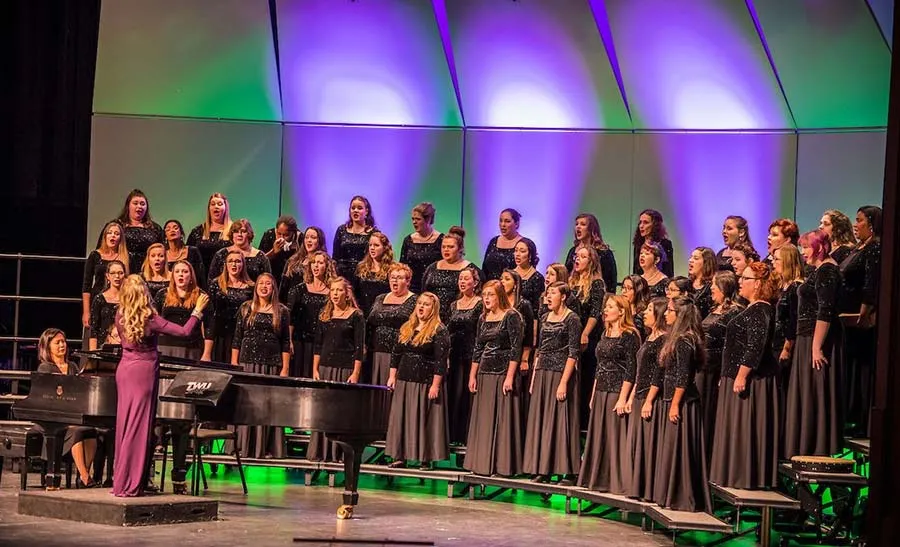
(367, 290)
(138, 239)
(349, 250)
(667, 267)
(532, 289)
(254, 265)
(463, 327)
(103, 316)
(615, 357)
(445, 285)
(207, 247)
(647, 363)
(748, 342)
(861, 272)
(340, 342)
(94, 281)
(703, 300)
(179, 315)
(558, 341)
(608, 269)
(592, 307)
(818, 298)
(196, 261)
(680, 368)
(497, 343)
(156, 286)
(839, 254)
(785, 317)
(277, 261)
(572, 303)
(288, 282)
(714, 326)
(259, 343)
(496, 260)
(659, 289)
(385, 321)
(639, 325)
(421, 364)
(224, 310)
(418, 256)
(305, 308)
(527, 312)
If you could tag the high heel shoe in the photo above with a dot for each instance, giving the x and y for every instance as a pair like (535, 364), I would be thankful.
(179, 488)
(81, 484)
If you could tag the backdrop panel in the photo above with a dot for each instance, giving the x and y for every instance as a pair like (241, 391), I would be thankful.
(395, 168)
(838, 171)
(549, 177)
(533, 64)
(694, 65)
(364, 63)
(178, 164)
(203, 58)
(884, 14)
(832, 60)
(697, 179)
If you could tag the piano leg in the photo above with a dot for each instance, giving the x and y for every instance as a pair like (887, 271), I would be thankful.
(353, 448)
(53, 437)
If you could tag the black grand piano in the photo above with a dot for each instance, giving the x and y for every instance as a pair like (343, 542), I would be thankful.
(352, 415)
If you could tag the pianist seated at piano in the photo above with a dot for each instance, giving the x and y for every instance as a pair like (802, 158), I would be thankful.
(262, 345)
(104, 306)
(338, 352)
(175, 303)
(79, 441)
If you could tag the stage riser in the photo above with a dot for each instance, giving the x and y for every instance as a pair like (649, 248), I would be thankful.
(98, 506)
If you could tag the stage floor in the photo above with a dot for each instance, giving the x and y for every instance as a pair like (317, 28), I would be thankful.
(280, 508)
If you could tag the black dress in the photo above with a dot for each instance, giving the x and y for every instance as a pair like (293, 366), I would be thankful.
(608, 269)
(532, 289)
(703, 299)
(681, 482)
(587, 366)
(417, 425)
(276, 262)
(814, 425)
(841, 253)
(645, 435)
(552, 433)
(207, 247)
(349, 250)
(94, 280)
(463, 326)
(103, 317)
(305, 308)
(260, 347)
(139, 239)
(225, 306)
(196, 262)
(254, 265)
(860, 270)
(339, 344)
(710, 371)
(368, 288)
(605, 466)
(746, 450)
(418, 256)
(496, 260)
(155, 286)
(445, 285)
(494, 443)
(785, 329)
(190, 347)
(667, 267)
(384, 322)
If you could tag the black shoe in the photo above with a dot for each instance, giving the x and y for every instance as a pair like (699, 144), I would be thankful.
(539, 479)
(567, 481)
(426, 466)
(398, 464)
(179, 488)
(80, 484)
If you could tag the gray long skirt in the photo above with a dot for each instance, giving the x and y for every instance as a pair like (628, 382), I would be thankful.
(319, 448)
(552, 435)
(641, 446)
(184, 352)
(260, 441)
(417, 426)
(381, 368)
(682, 480)
(494, 444)
(708, 384)
(605, 467)
(746, 450)
(302, 360)
(813, 423)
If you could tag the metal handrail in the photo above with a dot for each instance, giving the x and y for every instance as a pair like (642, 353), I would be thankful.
(18, 298)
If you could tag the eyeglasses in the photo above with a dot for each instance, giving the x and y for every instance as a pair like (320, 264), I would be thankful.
(233, 261)
(744, 277)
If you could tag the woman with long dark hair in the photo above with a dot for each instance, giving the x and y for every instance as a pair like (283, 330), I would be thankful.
(176, 250)
(681, 482)
(652, 229)
(650, 258)
(839, 229)
(140, 229)
(745, 450)
(525, 256)
(417, 426)
(228, 292)
(351, 240)
(422, 247)
(104, 306)
(636, 291)
(735, 230)
(701, 269)
(110, 246)
(587, 232)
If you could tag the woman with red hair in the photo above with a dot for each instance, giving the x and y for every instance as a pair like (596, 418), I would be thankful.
(783, 231)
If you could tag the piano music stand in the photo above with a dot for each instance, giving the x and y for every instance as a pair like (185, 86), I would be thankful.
(199, 389)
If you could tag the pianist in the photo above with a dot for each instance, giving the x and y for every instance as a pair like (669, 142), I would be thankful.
(79, 441)
(137, 380)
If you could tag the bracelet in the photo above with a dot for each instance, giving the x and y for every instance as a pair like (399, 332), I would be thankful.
(197, 314)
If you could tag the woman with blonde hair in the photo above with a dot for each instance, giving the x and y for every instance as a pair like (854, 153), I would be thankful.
(589, 292)
(175, 304)
(372, 271)
(213, 234)
(417, 428)
(305, 301)
(137, 381)
(154, 270)
(110, 246)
